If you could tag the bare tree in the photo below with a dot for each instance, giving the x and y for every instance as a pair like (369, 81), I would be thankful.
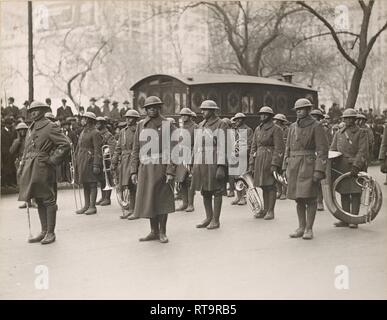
(364, 47)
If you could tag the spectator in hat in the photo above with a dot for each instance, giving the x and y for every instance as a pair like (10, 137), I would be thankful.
(23, 111)
(94, 108)
(64, 111)
(11, 109)
(115, 113)
(106, 108)
(8, 170)
(124, 109)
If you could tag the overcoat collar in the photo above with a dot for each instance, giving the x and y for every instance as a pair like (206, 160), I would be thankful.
(37, 125)
(352, 129)
(210, 122)
(158, 121)
(267, 125)
(305, 122)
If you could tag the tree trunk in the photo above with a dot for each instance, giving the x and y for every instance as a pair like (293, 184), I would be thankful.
(354, 88)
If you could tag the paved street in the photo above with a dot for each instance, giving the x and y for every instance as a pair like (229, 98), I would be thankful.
(100, 257)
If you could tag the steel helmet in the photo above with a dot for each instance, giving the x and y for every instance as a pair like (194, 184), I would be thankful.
(37, 104)
(89, 115)
(239, 115)
(21, 126)
(209, 105)
(101, 119)
(194, 114)
(49, 115)
(317, 112)
(327, 116)
(361, 116)
(172, 120)
(281, 117)
(302, 103)
(186, 112)
(349, 113)
(152, 101)
(132, 113)
(266, 109)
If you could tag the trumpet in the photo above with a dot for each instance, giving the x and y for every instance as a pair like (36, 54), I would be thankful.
(106, 162)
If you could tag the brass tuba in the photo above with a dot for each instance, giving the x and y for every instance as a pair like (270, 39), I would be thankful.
(106, 162)
(371, 195)
(245, 181)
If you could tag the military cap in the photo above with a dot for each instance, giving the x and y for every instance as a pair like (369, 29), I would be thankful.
(280, 117)
(126, 102)
(361, 116)
(152, 101)
(185, 112)
(239, 115)
(21, 126)
(209, 105)
(132, 113)
(89, 115)
(302, 103)
(93, 99)
(37, 104)
(317, 112)
(349, 113)
(49, 115)
(266, 109)
(106, 101)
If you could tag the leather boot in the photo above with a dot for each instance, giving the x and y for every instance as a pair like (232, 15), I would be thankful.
(154, 234)
(42, 211)
(207, 201)
(355, 197)
(132, 203)
(23, 206)
(301, 214)
(311, 208)
(215, 222)
(264, 210)
(237, 199)
(86, 192)
(106, 201)
(102, 197)
(125, 214)
(283, 193)
(184, 198)
(346, 206)
(51, 222)
(93, 197)
(163, 228)
(272, 198)
(191, 197)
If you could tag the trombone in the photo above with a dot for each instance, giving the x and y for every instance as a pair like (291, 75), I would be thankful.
(106, 162)
(72, 174)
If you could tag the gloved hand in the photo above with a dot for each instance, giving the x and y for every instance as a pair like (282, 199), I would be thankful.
(96, 170)
(169, 178)
(273, 169)
(134, 178)
(355, 171)
(318, 176)
(220, 174)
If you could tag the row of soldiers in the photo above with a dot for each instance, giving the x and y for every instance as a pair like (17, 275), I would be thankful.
(299, 151)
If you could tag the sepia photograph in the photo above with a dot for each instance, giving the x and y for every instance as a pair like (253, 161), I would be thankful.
(166, 150)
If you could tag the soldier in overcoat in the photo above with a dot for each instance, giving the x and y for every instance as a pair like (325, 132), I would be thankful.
(152, 170)
(121, 160)
(243, 141)
(266, 155)
(280, 120)
(210, 163)
(183, 175)
(383, 153)
(361, 120)
(305, 162)
(45, 148)
(88, 162)
(109, 140)
(352, 142)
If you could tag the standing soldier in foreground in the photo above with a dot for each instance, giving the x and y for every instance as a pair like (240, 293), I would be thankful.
(183, 176)
(121, 158)
(88, 162)
(240, 143)
(210, 178)
(352, 142)
(46, 147)
(153, 177)
(267, 151)
(107, 139)
(305, 163)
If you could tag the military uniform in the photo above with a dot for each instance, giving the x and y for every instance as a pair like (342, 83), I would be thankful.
(88, 165)
(266, 155)
(45, 148)
(352, 142)
(305, 162)
(183, 176)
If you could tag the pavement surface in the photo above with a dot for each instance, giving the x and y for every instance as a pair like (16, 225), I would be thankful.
(100, 257)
